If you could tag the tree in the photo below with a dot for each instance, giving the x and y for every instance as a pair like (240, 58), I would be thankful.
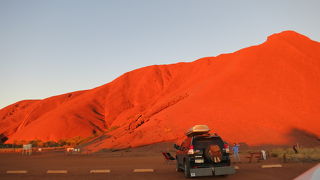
(35, 143)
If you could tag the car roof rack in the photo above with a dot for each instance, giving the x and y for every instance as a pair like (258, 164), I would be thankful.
(198, 130)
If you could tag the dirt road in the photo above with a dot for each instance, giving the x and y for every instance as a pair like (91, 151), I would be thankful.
(122, 165)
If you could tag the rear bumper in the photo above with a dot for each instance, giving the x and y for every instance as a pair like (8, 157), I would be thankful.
(224, 170)
(217, 171)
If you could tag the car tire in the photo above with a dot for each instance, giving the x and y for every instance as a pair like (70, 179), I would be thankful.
(228, 162)
(186, 166)
(178, 169)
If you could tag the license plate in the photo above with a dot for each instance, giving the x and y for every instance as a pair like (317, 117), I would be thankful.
(199, 161)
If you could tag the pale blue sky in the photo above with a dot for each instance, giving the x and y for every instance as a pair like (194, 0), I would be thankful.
(58, 46)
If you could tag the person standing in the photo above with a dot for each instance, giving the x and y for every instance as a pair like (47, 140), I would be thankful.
(235, 150)
(296, 148)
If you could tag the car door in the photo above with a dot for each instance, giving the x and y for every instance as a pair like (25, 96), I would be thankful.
(180, 152)
(184, 149)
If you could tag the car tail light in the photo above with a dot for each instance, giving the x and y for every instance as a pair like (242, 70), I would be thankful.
(226, 148)
(191, 150)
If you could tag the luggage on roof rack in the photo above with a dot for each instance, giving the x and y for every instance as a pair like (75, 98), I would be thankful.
(197, 130)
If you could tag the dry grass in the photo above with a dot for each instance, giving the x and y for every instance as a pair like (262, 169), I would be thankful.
(304, 154)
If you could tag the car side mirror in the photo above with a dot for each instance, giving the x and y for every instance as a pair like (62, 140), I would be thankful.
(176, 146)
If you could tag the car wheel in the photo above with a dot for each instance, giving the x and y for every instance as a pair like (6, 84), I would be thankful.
(178, 169)
(186, 169)
(228, 162)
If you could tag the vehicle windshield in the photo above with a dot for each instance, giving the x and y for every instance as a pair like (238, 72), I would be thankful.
(204, 142)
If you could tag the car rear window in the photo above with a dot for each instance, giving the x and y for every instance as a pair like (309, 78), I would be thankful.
(203, 142)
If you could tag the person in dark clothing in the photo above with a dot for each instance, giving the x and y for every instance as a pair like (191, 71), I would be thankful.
(295, 148)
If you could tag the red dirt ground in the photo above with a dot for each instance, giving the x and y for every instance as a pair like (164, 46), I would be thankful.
(259, 95)
(121, 165)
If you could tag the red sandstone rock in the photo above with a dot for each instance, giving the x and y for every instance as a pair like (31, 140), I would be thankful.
(257, 95)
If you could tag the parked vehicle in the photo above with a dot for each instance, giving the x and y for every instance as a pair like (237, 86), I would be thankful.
(203, 154)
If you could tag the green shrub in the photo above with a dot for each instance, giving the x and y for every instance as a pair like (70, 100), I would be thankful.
(51, 144)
